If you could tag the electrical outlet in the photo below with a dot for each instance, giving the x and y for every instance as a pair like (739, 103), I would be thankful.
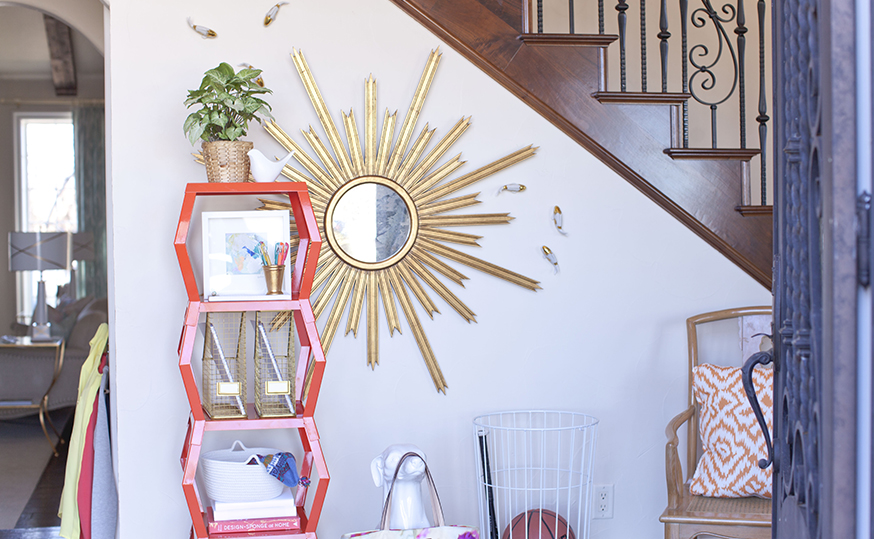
(603, 503)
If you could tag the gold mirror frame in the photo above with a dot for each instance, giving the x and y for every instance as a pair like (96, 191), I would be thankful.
(332, 239)
(361, 285)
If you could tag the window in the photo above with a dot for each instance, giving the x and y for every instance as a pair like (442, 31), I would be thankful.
(46, 193)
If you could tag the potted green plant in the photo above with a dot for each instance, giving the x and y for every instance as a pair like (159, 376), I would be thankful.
(228, 101)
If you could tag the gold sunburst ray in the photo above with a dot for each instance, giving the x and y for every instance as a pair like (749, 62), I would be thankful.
(372, 314)
(326, 271)
(439, 150)
(423, 186)
(325, 258)
(477, 175)
(437, 176)
(442, 268)
(441, 289)
(337, 309)
(318, 194)
(300, 155)
(473, 219)
(388, 131)
(357, 303)
(354, 142)
(323, 253)
(482, 265)
(416, 327)
(417, 289)
(269, 204)
(388, 303)
(331, 286)
(370, 127)
(335, 177)
(414, 155)
(322, 110)
(451, 204)
(412, 117)
(450, 236)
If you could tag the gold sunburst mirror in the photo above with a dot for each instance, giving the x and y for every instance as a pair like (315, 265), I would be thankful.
(385, 216)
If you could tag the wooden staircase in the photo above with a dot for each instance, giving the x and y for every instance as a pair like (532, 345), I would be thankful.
(636, 134)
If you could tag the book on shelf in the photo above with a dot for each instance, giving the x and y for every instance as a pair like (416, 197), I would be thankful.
(286, 523)
(281, 506)
(278, 534)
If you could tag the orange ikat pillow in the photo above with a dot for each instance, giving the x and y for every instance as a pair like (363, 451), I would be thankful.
(730, 435)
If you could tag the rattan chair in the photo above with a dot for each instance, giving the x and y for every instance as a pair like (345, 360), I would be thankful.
(713, 338)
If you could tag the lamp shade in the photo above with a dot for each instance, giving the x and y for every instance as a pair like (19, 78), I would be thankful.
(38, 251)
(83, 246)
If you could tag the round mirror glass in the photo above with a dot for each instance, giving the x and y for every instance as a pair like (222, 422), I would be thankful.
(371, 222)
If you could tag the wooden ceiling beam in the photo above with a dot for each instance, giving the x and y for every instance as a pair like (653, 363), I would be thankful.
(60, 41)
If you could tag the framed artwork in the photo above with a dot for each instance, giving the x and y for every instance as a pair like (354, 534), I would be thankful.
(232, 263)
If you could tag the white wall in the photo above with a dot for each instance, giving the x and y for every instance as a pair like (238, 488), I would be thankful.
(605, 336)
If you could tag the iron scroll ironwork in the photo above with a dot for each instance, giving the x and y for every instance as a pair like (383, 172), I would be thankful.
(759, 358)
(699, 55)
(799, 227)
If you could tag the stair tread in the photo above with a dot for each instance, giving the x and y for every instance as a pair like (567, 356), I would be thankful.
(741, 154)
(746, 211)
(642, 98)
(570, 40)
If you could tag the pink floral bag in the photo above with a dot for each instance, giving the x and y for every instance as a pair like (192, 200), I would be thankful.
(439, 531)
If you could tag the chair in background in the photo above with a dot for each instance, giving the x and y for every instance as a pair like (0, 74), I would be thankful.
(725, 339)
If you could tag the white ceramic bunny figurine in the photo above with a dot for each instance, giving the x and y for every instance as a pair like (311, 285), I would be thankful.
(266, 170)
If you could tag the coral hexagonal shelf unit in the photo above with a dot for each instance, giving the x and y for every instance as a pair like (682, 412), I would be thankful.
(310, 364)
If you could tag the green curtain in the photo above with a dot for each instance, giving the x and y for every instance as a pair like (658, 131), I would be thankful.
(89, 125)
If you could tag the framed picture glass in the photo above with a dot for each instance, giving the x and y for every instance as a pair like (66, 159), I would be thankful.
(232, 262)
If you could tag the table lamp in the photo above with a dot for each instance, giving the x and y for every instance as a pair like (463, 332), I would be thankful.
(39, 251)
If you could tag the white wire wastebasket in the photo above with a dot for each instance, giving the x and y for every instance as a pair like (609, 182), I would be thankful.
(535, 474)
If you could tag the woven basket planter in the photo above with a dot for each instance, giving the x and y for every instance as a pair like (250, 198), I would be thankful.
(226, 160)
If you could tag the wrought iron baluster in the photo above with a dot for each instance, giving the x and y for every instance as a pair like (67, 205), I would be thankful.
(663, 36)
(741, 31)
(570, 9)
(622, 7)
(713, 143)
(643, 45)
(762, 118)
(601, 17)
(698, 57)
(684, 35)
(539, 16)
